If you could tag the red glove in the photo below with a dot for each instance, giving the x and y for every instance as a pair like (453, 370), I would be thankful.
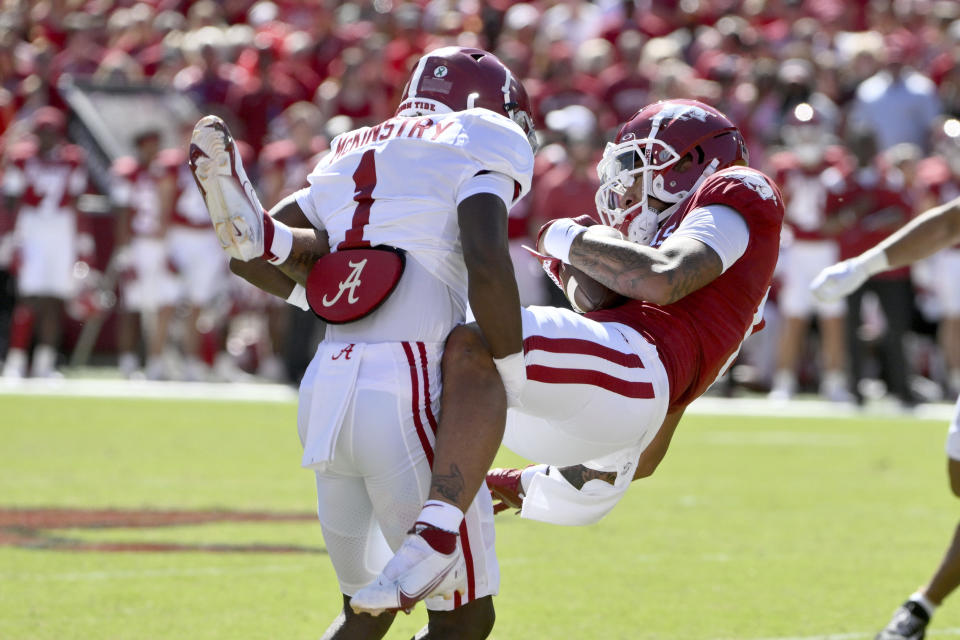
(505, 489)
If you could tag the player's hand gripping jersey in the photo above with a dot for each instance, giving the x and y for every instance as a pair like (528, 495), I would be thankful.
(699, 336)
(398, 184)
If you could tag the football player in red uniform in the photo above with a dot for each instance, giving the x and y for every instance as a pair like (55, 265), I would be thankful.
(807, 170)
(42, 181)
(597, 397)
(933, 230)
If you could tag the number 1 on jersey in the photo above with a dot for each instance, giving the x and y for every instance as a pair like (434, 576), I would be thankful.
(364, 179)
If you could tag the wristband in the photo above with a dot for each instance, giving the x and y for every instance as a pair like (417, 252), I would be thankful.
(298, 297)
(513, 372)
(559, 236)
(873, 261)
(277, 240)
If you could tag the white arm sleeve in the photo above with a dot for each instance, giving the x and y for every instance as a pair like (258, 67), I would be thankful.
(719, 227)
(499, 184)
(309, 207)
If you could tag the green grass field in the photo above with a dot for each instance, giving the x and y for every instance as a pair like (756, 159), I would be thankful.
(752, 528)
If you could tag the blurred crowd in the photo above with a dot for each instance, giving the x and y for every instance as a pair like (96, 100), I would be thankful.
(851, 106)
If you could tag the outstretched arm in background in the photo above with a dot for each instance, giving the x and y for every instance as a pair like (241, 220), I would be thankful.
(933, 230)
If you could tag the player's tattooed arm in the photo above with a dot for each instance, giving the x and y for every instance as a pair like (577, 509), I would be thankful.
(309, 244)
(662, 276)
(578, 475)
(449, 485)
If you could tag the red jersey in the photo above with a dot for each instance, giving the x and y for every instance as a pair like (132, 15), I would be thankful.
(699, 335)
(188, 207)
(805, 191)
(134, 187)
(46, 184)
(934, 175)
(881, 207)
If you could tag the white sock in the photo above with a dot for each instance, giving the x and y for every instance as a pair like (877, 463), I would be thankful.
(784, 380)
(442, 515)
(16, 365)
(922, 600)
(44, 360)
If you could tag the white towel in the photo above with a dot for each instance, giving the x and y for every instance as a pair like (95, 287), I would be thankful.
(550, 498)
(328, 391)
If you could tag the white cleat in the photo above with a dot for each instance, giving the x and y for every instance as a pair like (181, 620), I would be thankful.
(234, 208)
(416, 572)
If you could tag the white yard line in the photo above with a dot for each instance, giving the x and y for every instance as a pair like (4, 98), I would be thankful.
(113, 388)
(851, 636)
(136, 574)
(267, 392)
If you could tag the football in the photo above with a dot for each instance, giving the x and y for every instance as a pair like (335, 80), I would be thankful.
(584, 293)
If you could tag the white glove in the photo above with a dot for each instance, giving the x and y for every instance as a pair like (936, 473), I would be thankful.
(841, 279)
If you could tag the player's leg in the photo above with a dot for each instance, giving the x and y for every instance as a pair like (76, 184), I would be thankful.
(833, 353)
(21, 335)
(910, 620)
(896, 300)
(461, 565)
(349, 625)
(49, 312)
(472, 621)
(950, 342)
(355, 547)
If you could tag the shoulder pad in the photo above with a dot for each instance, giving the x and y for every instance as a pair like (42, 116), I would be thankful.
(23, 150)
(737, 186)
(125, 167)
(497, 144)
(782, 161)
(73, 154)
(276, 152)
(171, 159)
(932, 171)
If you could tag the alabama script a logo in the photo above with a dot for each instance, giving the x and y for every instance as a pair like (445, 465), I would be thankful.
(349, 285)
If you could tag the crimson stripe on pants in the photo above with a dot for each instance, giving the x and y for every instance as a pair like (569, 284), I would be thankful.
(468, 559)
(554, 375)
(415, 388)
(464, 535)
(426, 385)
(581, 347)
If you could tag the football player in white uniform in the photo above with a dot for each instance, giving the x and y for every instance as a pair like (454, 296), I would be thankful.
(935, 229)
(396, 217)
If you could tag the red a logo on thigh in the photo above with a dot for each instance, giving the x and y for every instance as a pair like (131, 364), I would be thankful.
(345, 352)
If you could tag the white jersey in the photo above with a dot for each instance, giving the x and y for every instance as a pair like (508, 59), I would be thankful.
(398, 184)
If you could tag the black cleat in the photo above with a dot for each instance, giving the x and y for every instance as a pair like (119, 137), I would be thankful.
(909, 622)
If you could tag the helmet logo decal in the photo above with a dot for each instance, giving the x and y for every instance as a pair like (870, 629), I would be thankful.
(440, 72)
(683, 112)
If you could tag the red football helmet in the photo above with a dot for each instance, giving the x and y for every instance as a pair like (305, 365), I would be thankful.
(650, 146)
(457, 78)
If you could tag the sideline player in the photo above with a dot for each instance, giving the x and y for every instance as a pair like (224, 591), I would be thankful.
(607, 389)
(935, 229)
(407, 209)
(42, 183)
